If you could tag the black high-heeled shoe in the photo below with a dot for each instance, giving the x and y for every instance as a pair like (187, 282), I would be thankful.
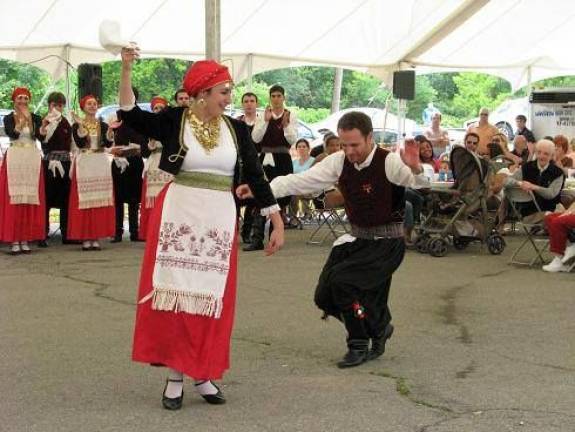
(214, 399)
(172, 404)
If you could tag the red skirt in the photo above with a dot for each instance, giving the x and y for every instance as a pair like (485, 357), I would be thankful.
(195, 345)
(21, 222)
(88, 224)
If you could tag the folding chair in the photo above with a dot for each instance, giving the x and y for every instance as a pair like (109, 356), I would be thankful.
(329, 221)
(515, 197)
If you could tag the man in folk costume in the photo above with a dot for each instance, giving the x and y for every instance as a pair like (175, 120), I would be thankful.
(22, 194)
(249, 117)
(127, 169)
(355, 281)
(275, 132)
(91, 206)
(154, 178)
(186, 297)
(56, 148)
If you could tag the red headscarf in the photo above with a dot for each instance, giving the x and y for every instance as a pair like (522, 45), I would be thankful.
(20, 91)
(204, 75)
(86, 99)
(158, 100)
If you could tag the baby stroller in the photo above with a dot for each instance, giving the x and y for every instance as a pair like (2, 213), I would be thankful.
(458, 215)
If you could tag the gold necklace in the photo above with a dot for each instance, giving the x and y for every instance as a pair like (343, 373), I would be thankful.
(91, 126)
(207, 133)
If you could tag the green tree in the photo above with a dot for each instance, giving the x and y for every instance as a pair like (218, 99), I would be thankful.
(14, 74)
(476, 90)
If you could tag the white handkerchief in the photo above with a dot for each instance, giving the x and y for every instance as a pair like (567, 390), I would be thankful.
(111, 37)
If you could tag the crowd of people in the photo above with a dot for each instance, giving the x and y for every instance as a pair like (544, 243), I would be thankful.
(183, 171)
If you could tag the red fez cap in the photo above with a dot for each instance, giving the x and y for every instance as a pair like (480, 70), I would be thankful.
(204, 75)
(20, 91)
(158, 100)
(86, 99)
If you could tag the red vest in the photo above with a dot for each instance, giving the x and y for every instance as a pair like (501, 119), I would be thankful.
(274, 136)
(370, 198)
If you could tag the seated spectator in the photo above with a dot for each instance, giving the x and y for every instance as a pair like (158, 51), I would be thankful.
(331, 145)
(571, 153)
(561, 150)
(542, 177)
(520, 148)
(471, 141)
(436, 135)
(426, 154)
(498, 146)
(302, 163)
(559, 225)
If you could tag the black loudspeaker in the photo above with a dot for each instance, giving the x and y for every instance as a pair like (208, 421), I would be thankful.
(404, 85)
(90, 80)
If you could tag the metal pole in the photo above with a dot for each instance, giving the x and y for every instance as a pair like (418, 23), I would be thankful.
(68, 105)
(212, 30)
(529, 89)
(336, 95)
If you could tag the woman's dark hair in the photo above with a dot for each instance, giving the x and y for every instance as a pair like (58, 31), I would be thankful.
(471, 134)
(302, 140)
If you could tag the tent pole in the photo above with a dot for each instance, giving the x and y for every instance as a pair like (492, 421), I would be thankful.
(250, 71)
(213, 30)
(68, 105)
(529, 89)
(336, 94)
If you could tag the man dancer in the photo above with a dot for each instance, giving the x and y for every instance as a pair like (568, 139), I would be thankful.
(275, 132)
(355, 281)
(56, 149)
(182, 98)
(249, 117)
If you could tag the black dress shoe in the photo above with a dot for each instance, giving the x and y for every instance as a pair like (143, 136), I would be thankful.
(255, 246)
(42, 243)
(172, 404)
(378, 343)
(135, 239)
(116, 239)
(354, 357)
(214, 399)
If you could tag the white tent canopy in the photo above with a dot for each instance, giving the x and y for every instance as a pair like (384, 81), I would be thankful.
(514, 39)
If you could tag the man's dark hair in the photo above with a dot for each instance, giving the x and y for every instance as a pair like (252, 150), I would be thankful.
(277, 88)
(182, 90)
(522, 118)
(249, 94)
(57, 98)
(356, 120)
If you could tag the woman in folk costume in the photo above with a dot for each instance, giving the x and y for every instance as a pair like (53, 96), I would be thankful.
(22, 194)
(91, 211)
(187, 290)
(154, 178)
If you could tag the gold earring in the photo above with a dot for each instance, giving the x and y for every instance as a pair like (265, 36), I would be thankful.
(201, 102)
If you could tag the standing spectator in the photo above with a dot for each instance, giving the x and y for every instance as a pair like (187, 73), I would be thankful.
(485, 131)
(520, 121)
(437, 136)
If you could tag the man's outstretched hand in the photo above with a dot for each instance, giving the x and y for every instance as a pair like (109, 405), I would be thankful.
(410, 155)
